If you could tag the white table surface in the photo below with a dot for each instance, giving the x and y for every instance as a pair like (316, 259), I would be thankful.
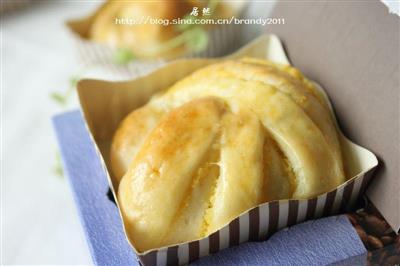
(39, 220)
(40, 224)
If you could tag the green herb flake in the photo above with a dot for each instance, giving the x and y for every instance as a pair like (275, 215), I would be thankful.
(73, 81)
(189, 23)
(196, 39)
(57, 169)
(58, 98)
(123, 56)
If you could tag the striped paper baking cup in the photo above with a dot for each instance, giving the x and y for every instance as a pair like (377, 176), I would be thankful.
(261, 222)
(256, 224)
(223, 39)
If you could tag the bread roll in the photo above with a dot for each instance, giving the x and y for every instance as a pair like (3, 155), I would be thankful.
(144, 26)
(142, 38)
(221, 141)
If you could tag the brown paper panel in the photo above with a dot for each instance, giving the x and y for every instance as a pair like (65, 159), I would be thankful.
(352, 49)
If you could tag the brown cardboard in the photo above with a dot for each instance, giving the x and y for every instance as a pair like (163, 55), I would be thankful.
(352, 49)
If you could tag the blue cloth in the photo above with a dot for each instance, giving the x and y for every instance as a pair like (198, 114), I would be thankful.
(320, 242)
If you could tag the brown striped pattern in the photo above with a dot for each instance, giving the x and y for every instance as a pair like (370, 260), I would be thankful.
(213, 242)
(254, 224)
(311, 206)
(249, 225)
(273, 217)
(172, 256)
(149, 258)
(234, 233)
(293, 210)
(194, 250)
(330, 198)
(346, 195)
(365, 182)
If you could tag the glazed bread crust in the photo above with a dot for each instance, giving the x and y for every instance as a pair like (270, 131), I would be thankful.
(142, 38)
(221, 141)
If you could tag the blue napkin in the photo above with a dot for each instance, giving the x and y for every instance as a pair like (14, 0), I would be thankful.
(321, 242)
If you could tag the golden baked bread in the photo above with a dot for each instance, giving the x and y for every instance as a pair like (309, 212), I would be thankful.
(219, 142)
(144, 37)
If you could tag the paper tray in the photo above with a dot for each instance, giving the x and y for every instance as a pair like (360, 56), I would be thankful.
(99, 97)
(325, 241)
